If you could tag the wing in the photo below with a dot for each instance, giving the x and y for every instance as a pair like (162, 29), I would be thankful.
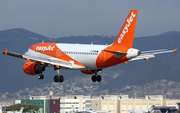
(150, 54)
(53, 61)
(12, 54)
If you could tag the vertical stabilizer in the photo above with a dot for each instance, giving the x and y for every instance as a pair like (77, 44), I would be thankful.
(151, 109)
(126, 34)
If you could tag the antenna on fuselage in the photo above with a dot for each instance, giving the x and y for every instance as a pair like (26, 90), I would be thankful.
(42, 41)
(91, 43)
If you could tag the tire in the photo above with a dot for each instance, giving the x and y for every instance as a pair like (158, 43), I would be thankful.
(42, 76)
(61, 78)
(98, 78)
(39, 77)
(93, 78)
(56, 78)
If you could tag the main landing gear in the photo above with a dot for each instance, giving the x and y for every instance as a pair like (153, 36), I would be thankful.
(58, 77)
(96, 77)
(39, 69)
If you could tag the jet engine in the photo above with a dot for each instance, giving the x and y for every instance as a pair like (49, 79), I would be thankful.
(33, 68)
(88, 72)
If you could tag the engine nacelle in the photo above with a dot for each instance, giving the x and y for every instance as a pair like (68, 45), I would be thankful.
(33, 68)
(89, 72)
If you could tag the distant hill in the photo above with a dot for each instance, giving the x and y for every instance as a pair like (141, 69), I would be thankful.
(134, 73)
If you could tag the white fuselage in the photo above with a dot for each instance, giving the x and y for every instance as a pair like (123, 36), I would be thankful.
(85, 54)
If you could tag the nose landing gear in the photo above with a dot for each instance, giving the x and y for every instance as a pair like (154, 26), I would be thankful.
(40, 76)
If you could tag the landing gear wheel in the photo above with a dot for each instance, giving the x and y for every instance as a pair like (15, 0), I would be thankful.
(56, 78)
(61, 78)
(98, 78)
(40, 76)
(93, 78)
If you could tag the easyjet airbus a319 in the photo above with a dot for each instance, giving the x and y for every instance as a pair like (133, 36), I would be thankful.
(89, 59)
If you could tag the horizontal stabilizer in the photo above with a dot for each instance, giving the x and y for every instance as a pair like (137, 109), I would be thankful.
(150, 54)
(114, 52)
(142, 52)
(117, 54)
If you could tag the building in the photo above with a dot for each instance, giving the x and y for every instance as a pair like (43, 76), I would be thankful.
(79, 101)
(113, 103)
(45, 104)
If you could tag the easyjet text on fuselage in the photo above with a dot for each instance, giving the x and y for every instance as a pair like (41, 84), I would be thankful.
(45, 48)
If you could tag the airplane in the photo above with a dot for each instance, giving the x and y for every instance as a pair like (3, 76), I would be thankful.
(88, 58)
(86, 111)
(151, 110)
(74, 110)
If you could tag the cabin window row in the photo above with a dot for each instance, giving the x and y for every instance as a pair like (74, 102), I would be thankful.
(68, 52)
(82, 53)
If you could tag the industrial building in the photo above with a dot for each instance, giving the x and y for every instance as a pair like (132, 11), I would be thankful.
(115, 103)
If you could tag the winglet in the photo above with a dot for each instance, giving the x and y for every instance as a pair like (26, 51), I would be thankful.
(5, 52)
(175, 51)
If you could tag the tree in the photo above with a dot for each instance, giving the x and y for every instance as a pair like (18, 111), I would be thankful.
(27, 107)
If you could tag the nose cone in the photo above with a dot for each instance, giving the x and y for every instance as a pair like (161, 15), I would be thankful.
(132, 53)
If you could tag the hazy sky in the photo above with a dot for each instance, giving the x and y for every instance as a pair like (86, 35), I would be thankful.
(57, 18)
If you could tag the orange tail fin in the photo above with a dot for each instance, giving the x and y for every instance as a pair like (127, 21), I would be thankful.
(126, 34)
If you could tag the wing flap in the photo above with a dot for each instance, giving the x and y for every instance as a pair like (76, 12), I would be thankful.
(58, 61)
(52, 61)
